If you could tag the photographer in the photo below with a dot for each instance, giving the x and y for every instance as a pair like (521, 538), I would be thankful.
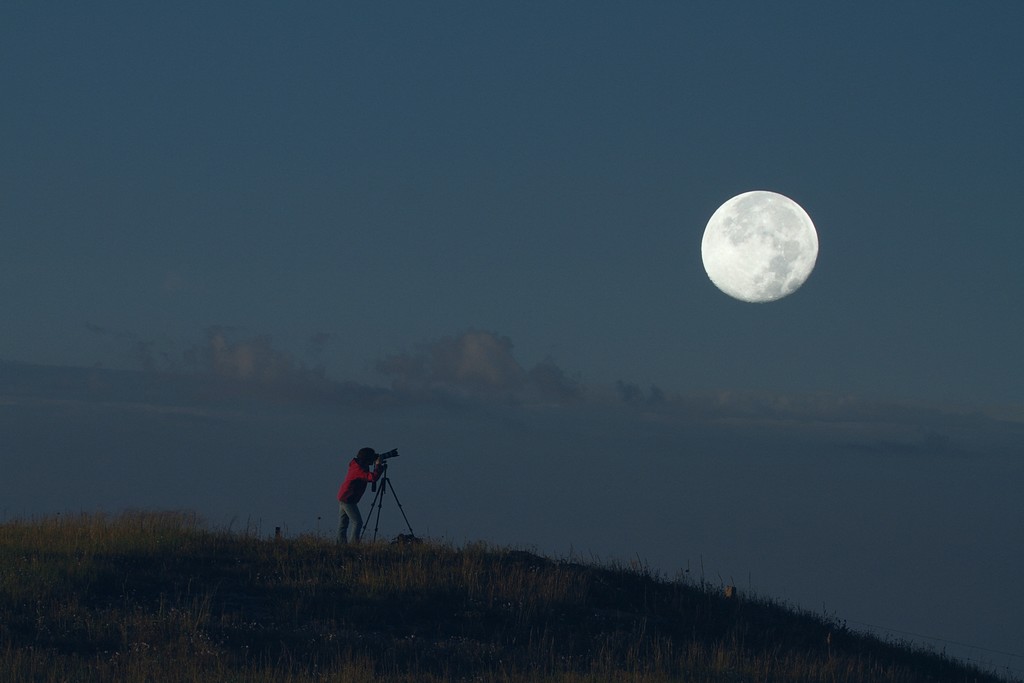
(350, 522)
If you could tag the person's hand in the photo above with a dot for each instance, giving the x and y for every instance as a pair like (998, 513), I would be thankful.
(377, 462)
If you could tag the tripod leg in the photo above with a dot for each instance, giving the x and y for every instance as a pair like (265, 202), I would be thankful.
(402, 510)
(378, 500)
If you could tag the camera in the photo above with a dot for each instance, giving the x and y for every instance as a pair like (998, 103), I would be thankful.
(393, 453)
(382, 468)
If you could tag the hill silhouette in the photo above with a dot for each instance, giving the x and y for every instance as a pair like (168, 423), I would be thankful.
(150, 596)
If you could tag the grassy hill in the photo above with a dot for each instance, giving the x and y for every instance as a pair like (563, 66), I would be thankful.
(157, 597)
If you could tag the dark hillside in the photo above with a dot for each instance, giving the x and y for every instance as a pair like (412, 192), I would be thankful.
(155, 597)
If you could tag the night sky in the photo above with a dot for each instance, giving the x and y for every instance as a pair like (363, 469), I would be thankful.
(242, 240)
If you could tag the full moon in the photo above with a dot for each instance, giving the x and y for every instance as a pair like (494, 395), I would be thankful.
(759, 246)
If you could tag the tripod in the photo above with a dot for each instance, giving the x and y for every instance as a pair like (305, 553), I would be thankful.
(380, 487)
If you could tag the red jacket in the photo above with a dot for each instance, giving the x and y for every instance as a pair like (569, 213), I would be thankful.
(355, 482)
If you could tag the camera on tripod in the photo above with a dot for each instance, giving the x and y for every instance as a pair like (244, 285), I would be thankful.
(393, 453)
(384, 457)
(382, 467)
(384, 480)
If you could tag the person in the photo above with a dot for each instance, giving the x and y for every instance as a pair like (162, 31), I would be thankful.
(350, 522)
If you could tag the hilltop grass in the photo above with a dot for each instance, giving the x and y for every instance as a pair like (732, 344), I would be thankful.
(158, 597)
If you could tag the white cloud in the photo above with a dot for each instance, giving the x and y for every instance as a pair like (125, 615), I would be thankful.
(253, 360)
(476, 364)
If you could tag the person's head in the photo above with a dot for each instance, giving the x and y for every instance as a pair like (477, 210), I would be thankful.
(366, 455)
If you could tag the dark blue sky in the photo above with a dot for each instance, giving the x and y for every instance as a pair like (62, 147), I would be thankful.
(472, 230)
(389, 174)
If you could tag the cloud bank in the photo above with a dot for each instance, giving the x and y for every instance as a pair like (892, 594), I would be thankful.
(479, 365)
(479, 369)
(250, 360)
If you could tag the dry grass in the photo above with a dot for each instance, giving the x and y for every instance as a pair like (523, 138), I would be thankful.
(157, 597)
